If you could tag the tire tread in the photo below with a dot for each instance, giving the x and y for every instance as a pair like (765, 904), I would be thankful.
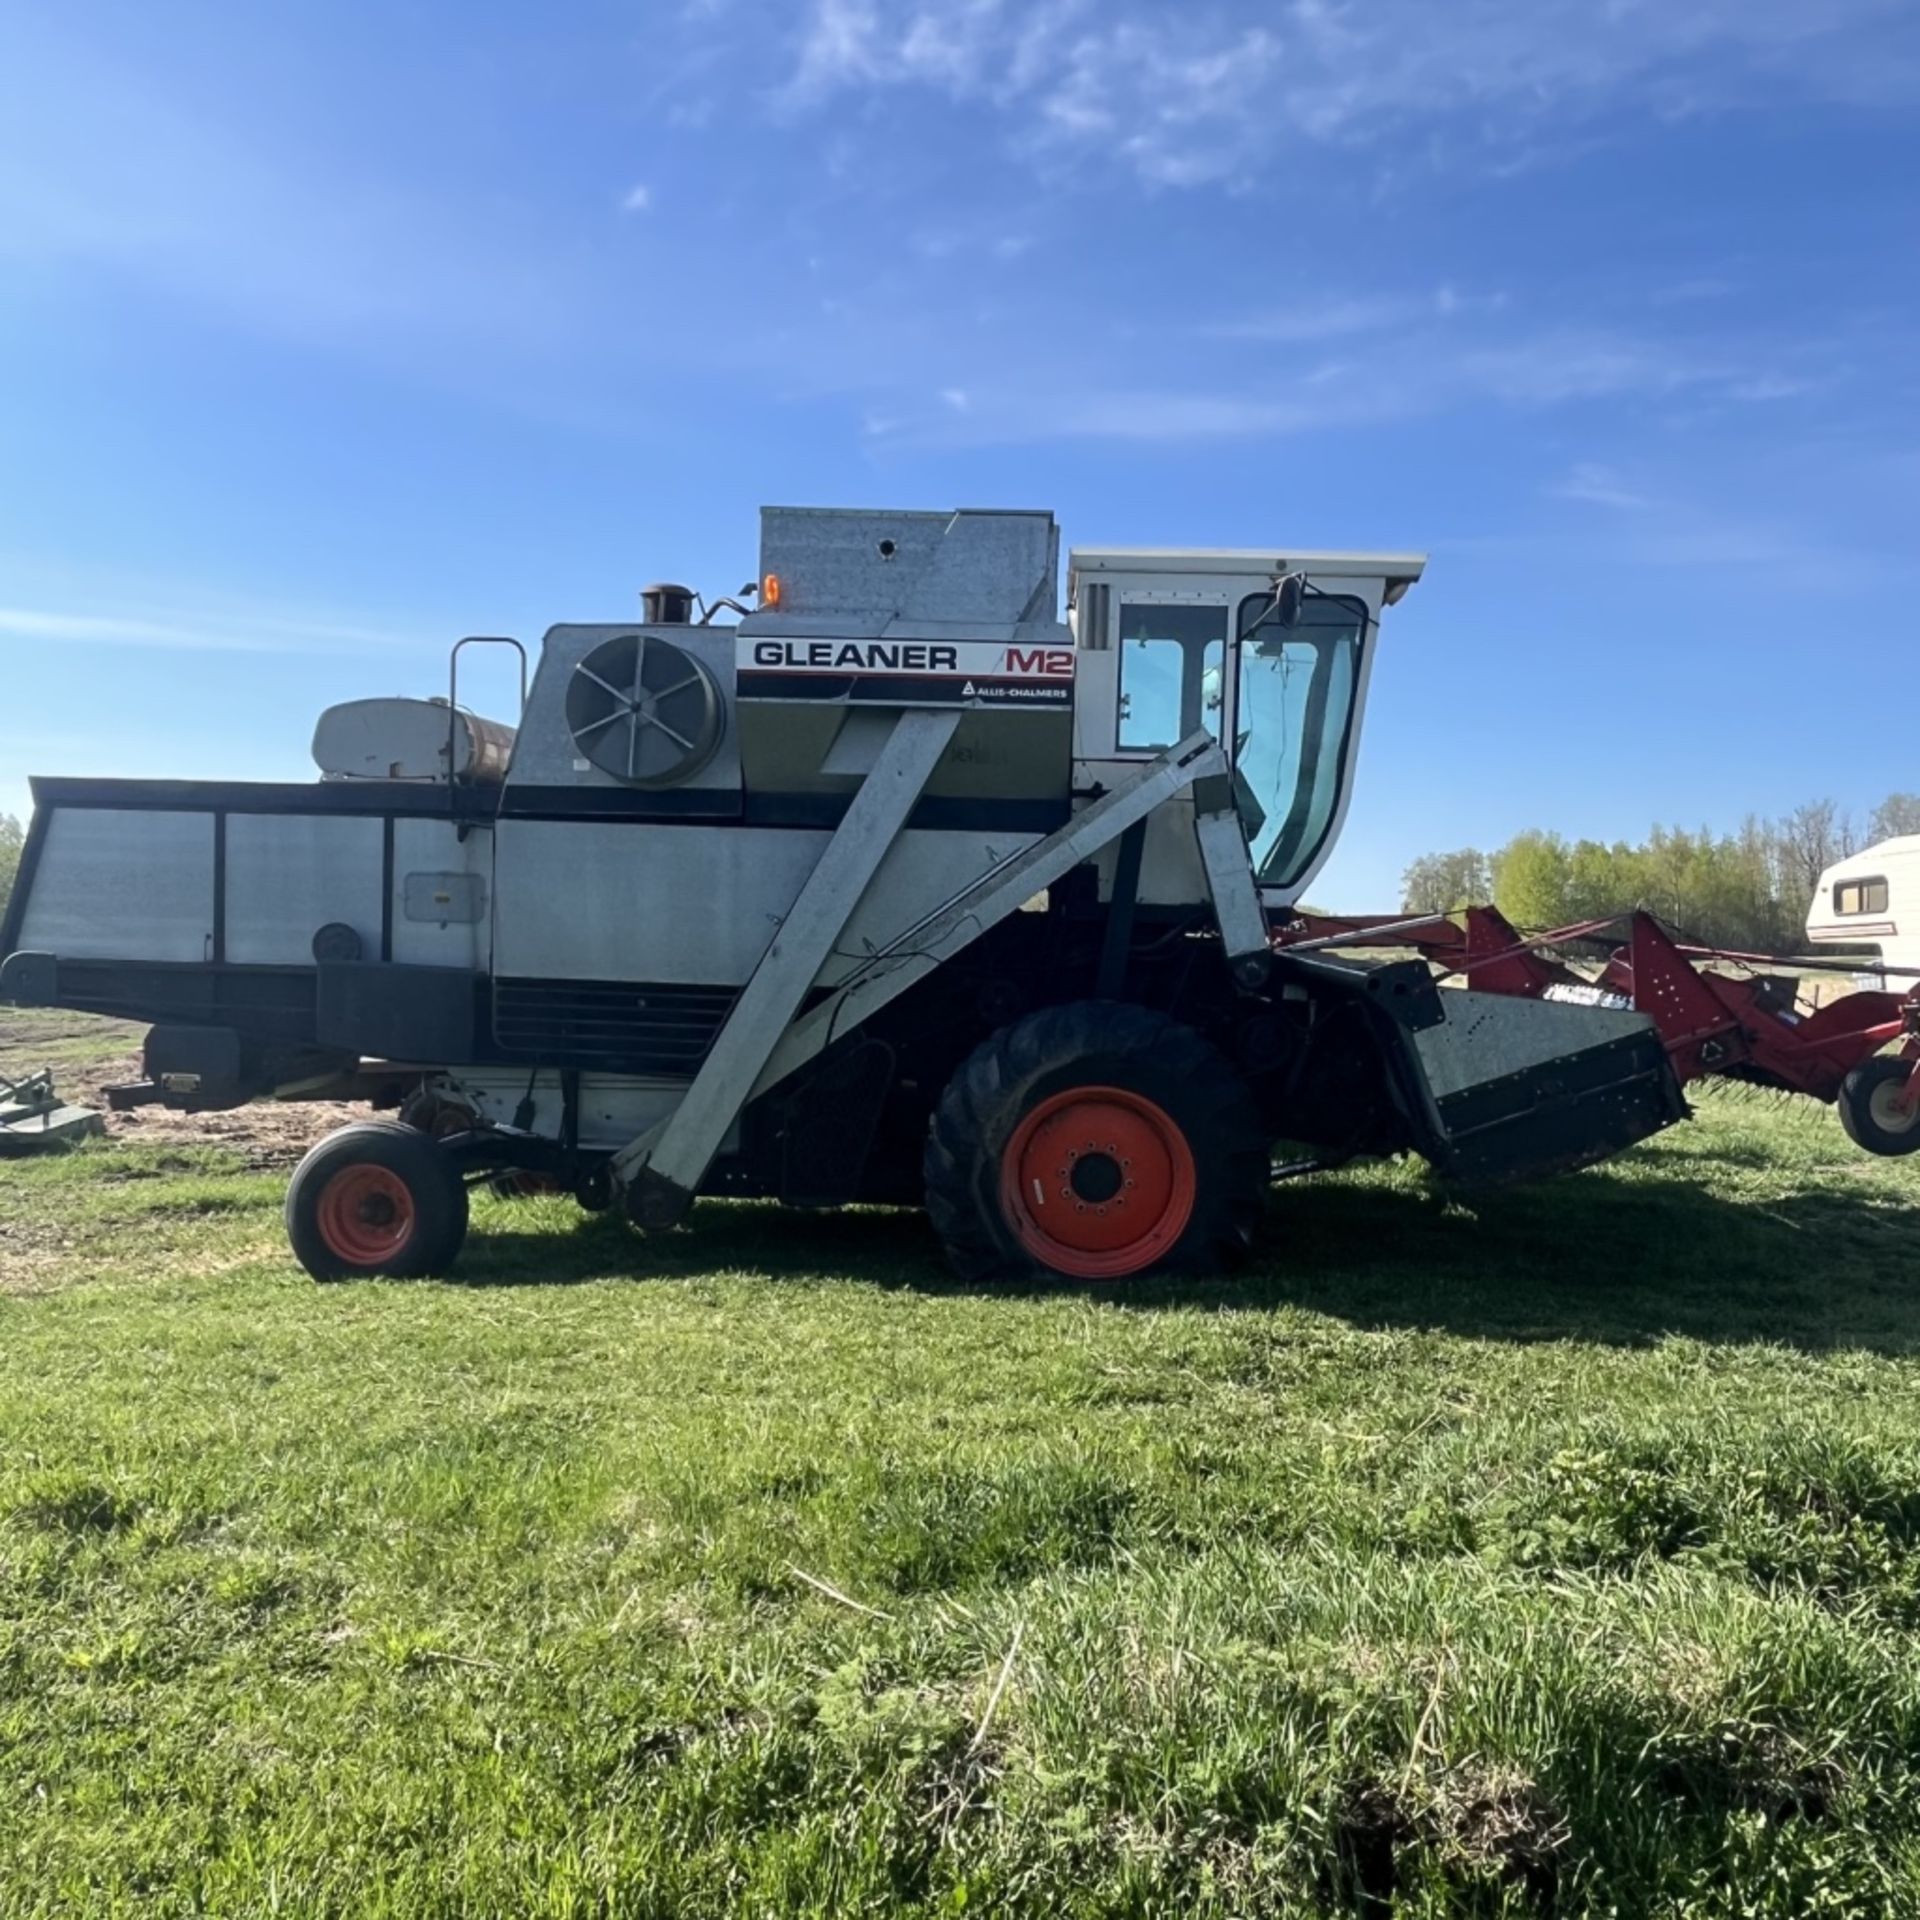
(994, 1086)
(1856, 1112)
(439, 1196)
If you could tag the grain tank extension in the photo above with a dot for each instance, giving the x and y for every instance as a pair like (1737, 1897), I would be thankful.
(895, 889)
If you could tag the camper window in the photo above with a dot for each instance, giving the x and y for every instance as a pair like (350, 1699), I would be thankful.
(1860, 896)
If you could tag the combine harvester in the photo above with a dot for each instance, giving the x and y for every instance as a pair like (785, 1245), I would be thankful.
(894, 890)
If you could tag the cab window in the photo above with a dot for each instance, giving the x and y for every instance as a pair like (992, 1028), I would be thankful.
(1171, 673)
(1293, 727)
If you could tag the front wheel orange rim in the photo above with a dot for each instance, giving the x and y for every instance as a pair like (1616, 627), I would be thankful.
(1098, 1183)
(365, 1214)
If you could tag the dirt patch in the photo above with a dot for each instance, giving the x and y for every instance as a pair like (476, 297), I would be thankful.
(271, 1133)
(88, 1055)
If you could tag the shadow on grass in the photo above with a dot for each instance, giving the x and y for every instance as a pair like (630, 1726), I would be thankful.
(1619, 1255)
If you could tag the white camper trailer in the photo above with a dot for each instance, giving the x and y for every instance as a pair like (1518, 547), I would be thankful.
(1873, 899)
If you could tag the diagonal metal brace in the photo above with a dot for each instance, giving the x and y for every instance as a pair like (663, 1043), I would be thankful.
(665, 1165)
(930, 943)
(920, 949)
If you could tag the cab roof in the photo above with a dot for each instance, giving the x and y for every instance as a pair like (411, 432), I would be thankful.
(1396, 569)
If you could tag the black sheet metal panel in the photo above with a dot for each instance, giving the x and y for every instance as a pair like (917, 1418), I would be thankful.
(614, 1026)
(1565, 1114)
(384, 1012)
(266, 796)
(1403, 990)
(268, 1003)
(1590, 1099)
(212, 1058)
(29, 980)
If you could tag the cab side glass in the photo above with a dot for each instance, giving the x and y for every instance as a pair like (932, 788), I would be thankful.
(1293, 728)
(1171, 673)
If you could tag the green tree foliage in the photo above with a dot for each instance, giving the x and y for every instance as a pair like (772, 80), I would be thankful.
(1533, 879)
(1444, 882)
(1747, 890)
(12, 839)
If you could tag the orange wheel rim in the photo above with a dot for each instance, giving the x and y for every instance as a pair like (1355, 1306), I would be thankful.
(1098, 1182)
(366, 1214)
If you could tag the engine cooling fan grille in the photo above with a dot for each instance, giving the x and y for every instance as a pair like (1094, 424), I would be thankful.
(645, 710)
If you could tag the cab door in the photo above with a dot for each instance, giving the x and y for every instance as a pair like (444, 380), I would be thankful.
(1296, 704)
(1173, 670)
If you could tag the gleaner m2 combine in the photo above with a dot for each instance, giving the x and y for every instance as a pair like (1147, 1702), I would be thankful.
(896, 890)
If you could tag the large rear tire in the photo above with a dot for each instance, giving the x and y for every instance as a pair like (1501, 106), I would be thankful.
(1870, 1109)
(1095, 1141)
(378, 1198)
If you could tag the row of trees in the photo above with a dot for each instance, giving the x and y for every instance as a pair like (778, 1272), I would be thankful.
(11, 841)
(1748, 890)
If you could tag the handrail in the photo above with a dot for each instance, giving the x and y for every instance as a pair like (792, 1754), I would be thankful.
(453, 687)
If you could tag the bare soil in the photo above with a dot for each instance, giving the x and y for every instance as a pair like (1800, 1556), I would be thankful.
(88, 1055)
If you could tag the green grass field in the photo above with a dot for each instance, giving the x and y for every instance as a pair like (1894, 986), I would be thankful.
(1557, 1553)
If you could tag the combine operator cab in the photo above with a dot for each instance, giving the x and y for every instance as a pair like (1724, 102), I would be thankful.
(1269, 653)
(894, 889)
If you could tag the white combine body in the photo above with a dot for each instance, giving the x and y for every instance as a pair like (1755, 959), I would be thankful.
(898, 889)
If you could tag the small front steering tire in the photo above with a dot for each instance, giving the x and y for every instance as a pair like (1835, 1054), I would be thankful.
(376, 1199)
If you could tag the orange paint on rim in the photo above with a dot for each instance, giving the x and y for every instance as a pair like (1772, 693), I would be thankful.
(1098, 1182)
(365, 1214)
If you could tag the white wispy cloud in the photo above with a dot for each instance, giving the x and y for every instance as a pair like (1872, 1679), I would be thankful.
(638, 198)
(1674, 531)
(1397, 360)
(1307, 322)
(203, 632)
(1600, 486)
(978, 238)
(1187, 97)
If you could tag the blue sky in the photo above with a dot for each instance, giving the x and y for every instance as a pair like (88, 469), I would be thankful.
(335, 331)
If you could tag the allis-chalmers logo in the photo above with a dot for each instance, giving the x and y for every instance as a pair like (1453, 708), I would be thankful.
(914, 656)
